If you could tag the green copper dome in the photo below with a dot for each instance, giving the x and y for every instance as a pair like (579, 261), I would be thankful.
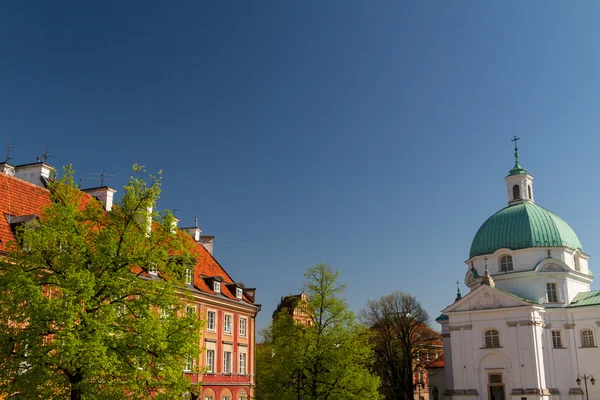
(520, 226)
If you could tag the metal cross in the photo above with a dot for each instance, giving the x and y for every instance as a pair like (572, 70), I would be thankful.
(515, 139)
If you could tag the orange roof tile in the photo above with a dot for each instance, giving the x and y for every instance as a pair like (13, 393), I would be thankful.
(18, 197)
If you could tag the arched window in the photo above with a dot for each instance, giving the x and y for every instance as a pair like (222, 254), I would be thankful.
(587, 338)
(516, 193)
(576, 263)
(506, 263)
(529, 191)
(492, 338)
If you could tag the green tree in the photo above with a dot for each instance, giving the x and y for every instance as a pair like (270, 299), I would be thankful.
(326, 359)
(402, 340)
(80, 316)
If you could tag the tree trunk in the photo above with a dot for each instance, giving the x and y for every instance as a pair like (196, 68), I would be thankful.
(75, 380)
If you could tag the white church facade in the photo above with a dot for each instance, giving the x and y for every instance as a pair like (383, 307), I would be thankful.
(529, 325)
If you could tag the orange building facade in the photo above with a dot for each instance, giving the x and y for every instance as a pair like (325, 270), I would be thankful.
(228, 307)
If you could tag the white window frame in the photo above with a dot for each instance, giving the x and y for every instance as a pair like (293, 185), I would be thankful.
(552, 292)
(243, 328)
(208, 320)
(190, 309)
(153, 269)
(243, 360)
(189, 364)
(494, 338)
(227, 362)
(556, 340)
(239, 293)
(588, 338)
(217, 287)
(189, 276)
(506, 263)
(228, 327)
(210, 361)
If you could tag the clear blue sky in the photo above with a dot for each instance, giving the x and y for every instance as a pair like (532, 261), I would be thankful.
(373, 136)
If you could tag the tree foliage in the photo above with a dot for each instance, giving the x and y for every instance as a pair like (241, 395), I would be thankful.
(80, 317)
(402, 339)
(327, 359)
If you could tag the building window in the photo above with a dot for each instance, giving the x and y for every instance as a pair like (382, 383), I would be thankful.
(492, 338)
(189, 364)
(152, 269)
(226, 397)
(506, 263)
(551, 293)
(189, 276)
(242, 370)
(227, 362)
(238, 293)
(556, 341)
(227, 322)
(587, 338)
(210, 361)
(243, 326)
(217, 287)
(190, 310)
(529, 191)
(576, 263)
(516, 193)
(210, 320)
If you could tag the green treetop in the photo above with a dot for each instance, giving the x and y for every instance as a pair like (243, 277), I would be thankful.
(328, 358)
(80, 317)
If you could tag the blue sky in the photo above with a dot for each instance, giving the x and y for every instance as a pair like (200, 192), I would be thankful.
(373, 136)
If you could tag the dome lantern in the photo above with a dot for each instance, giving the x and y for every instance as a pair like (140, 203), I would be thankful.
(518, 182)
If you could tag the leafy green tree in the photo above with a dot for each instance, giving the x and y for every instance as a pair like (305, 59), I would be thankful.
(402, 340)
(80, 316)
(328, 358)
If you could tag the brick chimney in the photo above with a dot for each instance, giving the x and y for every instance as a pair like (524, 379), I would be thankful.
(37, 173)
(104, 194)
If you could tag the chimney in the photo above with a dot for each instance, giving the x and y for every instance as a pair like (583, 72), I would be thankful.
(207, 242)
(104, 194)
(195, 232)
(37, 173)
(6, 168)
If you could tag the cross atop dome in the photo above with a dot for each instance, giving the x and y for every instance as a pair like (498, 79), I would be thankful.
(517, 169)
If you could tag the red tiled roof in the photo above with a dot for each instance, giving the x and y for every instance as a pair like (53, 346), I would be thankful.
(437, 363)
(17, 198)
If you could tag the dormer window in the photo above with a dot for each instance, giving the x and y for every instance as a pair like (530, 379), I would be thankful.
(506, 263)
(238, 293)
(152, 269)
(217, 287)
(189, 276)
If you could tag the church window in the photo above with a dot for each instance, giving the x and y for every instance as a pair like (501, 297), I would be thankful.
(556, 340)
(492, 338)
(529, 191)
(576, 263)
(516, 193)
(506, 263)
(551, 293)
(587, 338)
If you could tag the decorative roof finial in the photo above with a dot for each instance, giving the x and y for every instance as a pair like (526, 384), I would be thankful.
(195, 221)
(458, 295)
(517, 169)
(487, 278)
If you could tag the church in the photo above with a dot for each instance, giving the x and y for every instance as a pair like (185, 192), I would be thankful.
(528, 328)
